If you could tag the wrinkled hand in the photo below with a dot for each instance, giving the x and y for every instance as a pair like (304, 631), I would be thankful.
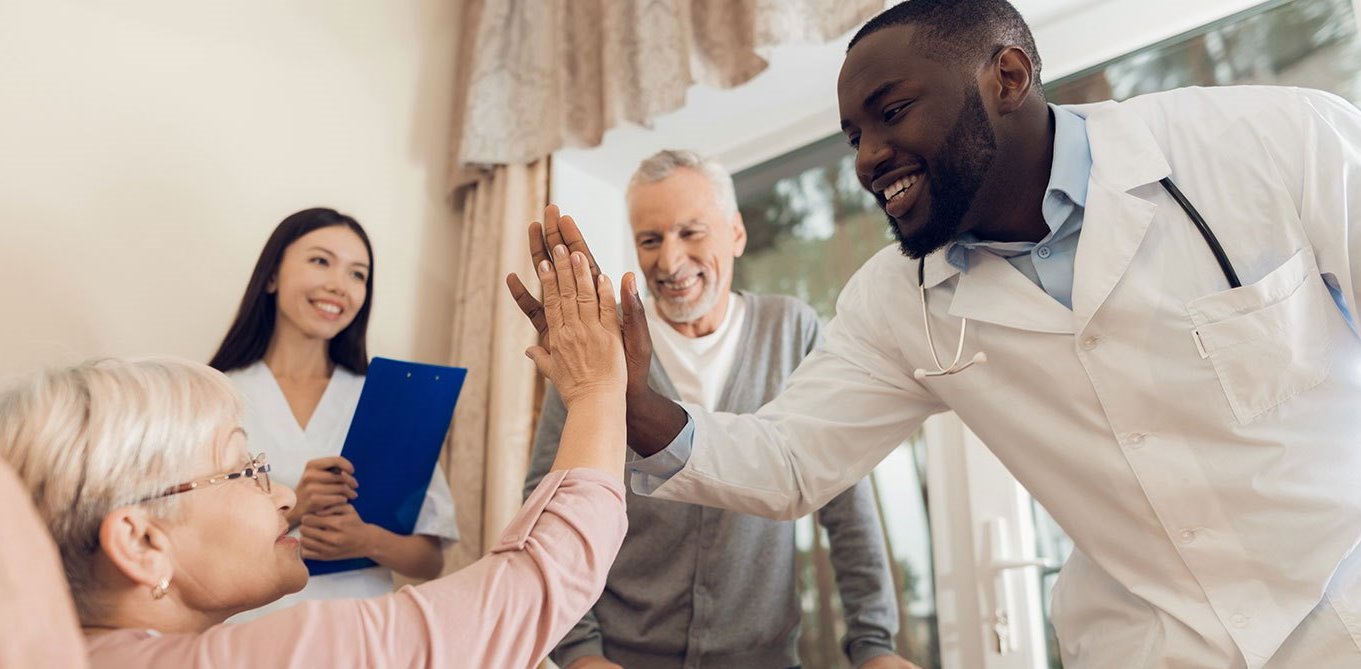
(336, 534)
(583, 354)
(888, 662)
(556, 230)
(321, 488)
(593, 662)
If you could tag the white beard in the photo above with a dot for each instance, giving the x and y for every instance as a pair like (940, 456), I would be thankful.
(689, 312)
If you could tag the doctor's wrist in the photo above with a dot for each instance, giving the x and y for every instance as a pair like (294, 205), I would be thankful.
(654, 420)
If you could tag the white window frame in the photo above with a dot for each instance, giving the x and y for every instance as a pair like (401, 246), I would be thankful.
(983, 548)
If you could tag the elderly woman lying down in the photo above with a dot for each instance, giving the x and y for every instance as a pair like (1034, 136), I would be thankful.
(167, 524)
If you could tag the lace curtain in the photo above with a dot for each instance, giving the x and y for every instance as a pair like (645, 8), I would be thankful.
(546, 74)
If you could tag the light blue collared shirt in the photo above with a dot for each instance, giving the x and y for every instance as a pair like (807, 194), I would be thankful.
(1048, 263)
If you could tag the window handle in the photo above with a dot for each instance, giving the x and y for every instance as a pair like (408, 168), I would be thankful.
(1000, 561)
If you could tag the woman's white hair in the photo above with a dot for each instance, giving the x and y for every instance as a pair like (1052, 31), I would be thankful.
(664, 163)
(89, 439)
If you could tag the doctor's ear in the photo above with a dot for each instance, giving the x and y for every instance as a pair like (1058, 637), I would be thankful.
(1013, 79)
(136, 546)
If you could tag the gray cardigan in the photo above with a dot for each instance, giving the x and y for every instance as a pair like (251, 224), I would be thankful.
(699, 587)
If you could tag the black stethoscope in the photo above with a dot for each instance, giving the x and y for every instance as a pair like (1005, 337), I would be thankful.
(981, 357)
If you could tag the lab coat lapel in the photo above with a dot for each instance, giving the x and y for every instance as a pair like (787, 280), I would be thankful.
(1112, 229)
(1125, 157)
(992, 291)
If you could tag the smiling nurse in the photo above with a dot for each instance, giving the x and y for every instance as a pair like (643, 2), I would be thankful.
(297, 352)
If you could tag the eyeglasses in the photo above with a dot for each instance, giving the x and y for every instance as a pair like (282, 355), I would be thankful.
(257, 470)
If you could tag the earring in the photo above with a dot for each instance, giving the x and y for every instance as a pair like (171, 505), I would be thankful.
(160, 589)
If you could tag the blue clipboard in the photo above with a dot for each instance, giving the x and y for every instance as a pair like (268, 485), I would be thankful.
(394, 442)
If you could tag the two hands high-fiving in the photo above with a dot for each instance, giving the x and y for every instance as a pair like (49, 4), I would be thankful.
(561, 232)
(653, 420)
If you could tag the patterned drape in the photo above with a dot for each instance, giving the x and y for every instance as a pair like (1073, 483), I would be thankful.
(488, 448)
(546, 74)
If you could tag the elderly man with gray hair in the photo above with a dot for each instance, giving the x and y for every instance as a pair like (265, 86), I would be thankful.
(696, 586)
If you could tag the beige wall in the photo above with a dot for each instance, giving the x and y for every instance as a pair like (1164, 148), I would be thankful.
(148, 147)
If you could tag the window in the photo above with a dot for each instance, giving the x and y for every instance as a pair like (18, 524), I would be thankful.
(1309, 43)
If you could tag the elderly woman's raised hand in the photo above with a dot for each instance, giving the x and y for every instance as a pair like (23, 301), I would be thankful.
(582, 353)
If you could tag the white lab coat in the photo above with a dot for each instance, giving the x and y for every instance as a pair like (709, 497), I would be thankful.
(271, 427)
(1201, 445)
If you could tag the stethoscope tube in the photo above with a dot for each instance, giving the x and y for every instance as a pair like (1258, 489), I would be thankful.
(980, 357)
(1204, 228)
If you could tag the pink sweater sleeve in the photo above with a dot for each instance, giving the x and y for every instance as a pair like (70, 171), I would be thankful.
(37, 619)
(506, 610)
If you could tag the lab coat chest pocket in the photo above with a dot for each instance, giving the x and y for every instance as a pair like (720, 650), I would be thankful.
(1270, 340)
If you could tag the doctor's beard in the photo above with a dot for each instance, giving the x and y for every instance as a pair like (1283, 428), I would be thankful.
(969, 151)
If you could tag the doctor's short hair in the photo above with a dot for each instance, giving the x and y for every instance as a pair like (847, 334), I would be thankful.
(960, 29)
(663, 164)
(88, 439)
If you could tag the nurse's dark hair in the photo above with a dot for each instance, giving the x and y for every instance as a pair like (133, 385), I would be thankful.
(249, 335)
(960, 31)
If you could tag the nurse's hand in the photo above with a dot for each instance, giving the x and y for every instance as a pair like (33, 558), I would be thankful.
(336, 534)
(325, 483)
(583, 355)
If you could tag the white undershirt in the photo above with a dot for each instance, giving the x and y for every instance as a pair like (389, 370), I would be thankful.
(699, 366)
